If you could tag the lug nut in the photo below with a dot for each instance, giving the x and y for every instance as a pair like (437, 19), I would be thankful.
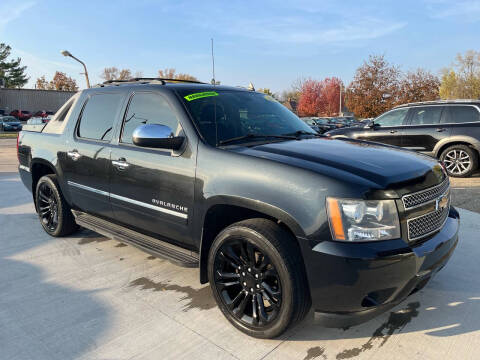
(251, 289)
(249, 269)
(244, 284)
(243, 274)
(258, 286)
(256, 276)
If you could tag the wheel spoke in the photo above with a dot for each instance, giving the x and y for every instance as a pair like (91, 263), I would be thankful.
(265, 262)
(269, 299)
(240, 310)
(233, 261)
(240, 294)
(44, 197)
(227, 275)
(271, 272)
(261, 309)
(251, 254)
(270, 291)
(224, 285)
(254, 310)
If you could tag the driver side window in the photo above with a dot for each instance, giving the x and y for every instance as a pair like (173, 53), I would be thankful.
(147, 108)
(392, 118)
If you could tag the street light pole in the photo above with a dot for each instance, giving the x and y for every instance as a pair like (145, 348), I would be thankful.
(340, 108)
(68, 54)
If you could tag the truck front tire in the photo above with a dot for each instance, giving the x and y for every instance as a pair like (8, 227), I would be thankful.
(257, 276)
(53, 211)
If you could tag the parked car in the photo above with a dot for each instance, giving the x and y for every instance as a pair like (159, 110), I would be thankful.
(22, 115)
(448, 130)
(320, 125)
(2, 112)
(277, 218)
(10, 123)
(38, 120)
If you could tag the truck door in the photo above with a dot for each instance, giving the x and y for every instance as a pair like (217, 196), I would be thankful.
(152, 190)
(86, 161)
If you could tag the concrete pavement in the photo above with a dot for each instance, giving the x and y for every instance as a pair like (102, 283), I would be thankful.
(87, 297)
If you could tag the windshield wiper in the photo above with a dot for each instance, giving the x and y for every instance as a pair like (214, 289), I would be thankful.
(299, 133)
(255, 136)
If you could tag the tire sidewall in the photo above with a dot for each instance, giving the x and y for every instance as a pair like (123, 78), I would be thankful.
(53, 185)
(262, 243)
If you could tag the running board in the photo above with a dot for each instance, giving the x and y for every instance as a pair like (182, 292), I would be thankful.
(175, 254)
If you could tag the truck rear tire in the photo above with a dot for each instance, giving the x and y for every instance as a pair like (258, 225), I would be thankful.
(258, 279)
(53, 211)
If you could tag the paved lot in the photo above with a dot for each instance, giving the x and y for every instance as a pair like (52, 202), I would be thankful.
(87, 297)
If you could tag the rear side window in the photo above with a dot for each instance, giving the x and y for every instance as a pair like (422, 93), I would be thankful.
(463, 114)
(98, 116)
(147, 108)
(426, 115)
(392, 118)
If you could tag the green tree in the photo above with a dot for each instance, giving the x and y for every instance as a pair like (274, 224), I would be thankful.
(10, 70)
(60, 82)
(462, 79)
(170, 73)
(113, 73)
(374, 88)
(268, 92)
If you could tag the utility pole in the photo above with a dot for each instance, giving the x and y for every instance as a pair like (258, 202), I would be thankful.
(340, 108)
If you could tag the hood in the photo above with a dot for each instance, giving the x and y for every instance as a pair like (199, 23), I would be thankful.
(380, 164)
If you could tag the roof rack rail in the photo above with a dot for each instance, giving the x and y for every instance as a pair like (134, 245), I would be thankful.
(464, 101)
(148, 79)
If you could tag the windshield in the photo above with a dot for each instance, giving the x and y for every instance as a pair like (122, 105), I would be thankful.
(226, 114)
(9, 119)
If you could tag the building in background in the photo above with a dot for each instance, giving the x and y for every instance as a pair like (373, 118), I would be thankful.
(32, 100)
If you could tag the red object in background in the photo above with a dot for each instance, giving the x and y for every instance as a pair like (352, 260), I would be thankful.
(21, 115)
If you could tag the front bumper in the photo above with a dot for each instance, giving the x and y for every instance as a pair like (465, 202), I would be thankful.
(352, 282)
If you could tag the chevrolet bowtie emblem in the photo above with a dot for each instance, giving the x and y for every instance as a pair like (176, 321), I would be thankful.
(441, 202)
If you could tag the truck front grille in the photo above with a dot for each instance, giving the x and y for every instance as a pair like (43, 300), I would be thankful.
(432, 221)
(422, 197)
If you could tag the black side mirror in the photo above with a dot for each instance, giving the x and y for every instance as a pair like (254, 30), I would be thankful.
(372, 125)
(156, 136)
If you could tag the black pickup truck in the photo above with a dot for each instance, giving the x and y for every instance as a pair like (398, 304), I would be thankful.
(277, 218)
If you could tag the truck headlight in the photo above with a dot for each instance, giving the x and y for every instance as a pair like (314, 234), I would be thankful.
(363, 220)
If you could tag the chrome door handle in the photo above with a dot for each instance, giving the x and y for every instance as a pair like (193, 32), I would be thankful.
(441, 129)
(393, 131)
(74, 155)
(120, 164)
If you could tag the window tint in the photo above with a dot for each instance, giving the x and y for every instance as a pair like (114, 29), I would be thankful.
(98, 116)
(426, 115)
(462, 114)
(392, 118)
(147, 108)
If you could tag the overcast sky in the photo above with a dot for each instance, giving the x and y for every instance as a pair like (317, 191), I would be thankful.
(268, 43)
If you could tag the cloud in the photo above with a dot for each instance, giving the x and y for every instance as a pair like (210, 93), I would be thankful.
(300, 31)
(11, 11)
(468, 10)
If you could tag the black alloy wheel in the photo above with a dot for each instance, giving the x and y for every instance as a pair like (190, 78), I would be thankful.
(53, 211)
(47, 207)
(257, 276)
(248, 283)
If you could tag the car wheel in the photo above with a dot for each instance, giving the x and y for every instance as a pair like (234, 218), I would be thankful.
(459, 160)
(53, 211)
(258, 279)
